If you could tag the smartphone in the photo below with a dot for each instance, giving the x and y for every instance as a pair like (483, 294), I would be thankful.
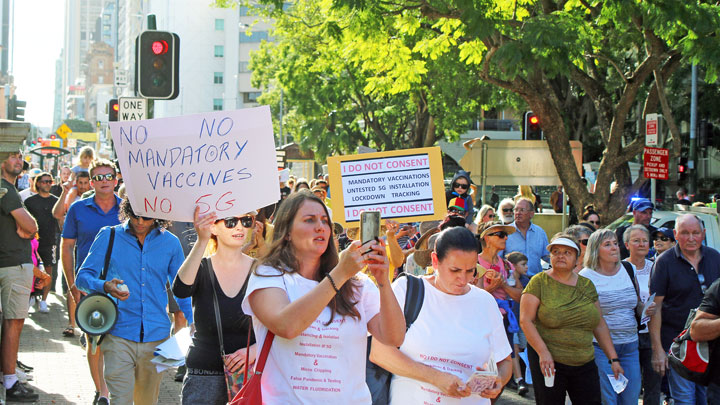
(369, 226)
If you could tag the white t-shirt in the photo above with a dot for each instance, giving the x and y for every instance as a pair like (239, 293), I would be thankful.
(643, 278)
(617, 298)
(454, 334)
(25, 194)
(324, 364)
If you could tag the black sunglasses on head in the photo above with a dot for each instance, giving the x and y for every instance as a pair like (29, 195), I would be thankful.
(246, 221)
(463, 186)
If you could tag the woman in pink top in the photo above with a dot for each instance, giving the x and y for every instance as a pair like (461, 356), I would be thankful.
(496, 271)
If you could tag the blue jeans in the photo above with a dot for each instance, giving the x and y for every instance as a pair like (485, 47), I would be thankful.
(630, 361)
(685, 392)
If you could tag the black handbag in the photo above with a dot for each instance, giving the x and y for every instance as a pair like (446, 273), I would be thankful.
(376, 377)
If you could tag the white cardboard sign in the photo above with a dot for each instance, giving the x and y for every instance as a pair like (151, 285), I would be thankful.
(221, 161)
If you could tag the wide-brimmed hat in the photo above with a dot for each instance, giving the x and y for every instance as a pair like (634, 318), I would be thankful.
(354, 232)
(564, 242)
(422, 253)
(490, 227)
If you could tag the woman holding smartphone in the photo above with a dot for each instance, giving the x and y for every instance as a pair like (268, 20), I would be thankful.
(320, 307)
(458, 330)
(216, 267)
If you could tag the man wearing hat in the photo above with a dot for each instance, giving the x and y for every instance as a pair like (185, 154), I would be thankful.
(642, 210)
(17, 227)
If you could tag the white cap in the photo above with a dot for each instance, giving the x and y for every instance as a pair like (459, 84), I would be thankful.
(563, 242)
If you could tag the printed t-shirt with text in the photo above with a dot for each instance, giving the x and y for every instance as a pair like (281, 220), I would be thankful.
(324, 364)
(453, 334)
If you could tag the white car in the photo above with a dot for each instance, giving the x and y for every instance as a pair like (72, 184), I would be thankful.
(666, 219)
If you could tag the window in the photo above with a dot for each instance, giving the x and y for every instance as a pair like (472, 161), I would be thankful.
(255, 36)
(219, 24)
(251, 97)
(218, 78)
(217, 104)
(244, 67)
(219, 51)
(101, 79)
(101, 64)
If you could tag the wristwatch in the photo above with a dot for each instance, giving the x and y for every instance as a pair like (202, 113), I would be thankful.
(611, 361)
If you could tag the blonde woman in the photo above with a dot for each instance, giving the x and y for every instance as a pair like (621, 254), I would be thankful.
(216, 266)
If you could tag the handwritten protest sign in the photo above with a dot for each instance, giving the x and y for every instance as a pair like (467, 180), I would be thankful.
(405, 185)
(222, 161)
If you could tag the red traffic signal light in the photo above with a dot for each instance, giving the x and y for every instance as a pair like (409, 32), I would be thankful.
(159, 47)
(157, 65)
(682, 168)
(113, 109)
(531, 127)
(52, 136)
(534, 120)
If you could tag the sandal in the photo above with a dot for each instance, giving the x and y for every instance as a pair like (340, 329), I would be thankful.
(69, 332)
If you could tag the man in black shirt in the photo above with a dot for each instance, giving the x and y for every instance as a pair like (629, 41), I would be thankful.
(40, 206)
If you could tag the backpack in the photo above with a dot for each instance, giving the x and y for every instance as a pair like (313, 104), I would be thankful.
(376, 377)
(691, 359)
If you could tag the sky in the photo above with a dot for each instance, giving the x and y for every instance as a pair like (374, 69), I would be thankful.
(39, 32)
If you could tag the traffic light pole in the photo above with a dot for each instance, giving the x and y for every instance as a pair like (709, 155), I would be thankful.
(692, 151)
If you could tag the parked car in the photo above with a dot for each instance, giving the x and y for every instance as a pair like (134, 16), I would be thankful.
(666, 219)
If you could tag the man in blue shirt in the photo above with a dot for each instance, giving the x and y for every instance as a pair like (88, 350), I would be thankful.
(82, 223)
(145, 257)
(529, 239)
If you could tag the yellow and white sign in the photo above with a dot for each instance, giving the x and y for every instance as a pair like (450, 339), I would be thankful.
(404, 185)
(63, 131)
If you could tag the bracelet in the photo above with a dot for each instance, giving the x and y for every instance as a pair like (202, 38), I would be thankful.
(332, 282)
(615, 360)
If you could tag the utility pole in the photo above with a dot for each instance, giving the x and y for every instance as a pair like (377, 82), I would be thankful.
(692, 158)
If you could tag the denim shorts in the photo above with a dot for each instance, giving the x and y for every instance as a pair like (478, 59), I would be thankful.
(204, 389)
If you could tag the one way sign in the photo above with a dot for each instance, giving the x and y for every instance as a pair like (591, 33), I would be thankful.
(132, 109)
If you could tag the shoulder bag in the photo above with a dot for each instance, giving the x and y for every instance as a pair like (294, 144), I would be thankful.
(694, 361)
(234, 380)
(376, 377)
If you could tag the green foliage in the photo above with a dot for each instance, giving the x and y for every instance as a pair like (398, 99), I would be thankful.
(79, 125)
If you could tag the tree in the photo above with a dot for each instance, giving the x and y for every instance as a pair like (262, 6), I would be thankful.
(574, 62)
(332, 68)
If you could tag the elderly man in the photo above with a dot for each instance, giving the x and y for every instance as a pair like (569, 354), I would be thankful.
(642, 210)
(144, 257)
(505, 211)
(530, 239)
(679, 279)
(17, 227)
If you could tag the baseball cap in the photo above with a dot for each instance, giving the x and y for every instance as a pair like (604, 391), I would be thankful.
(458, 203)
(32, 173)
(665, 231)
(642, 204)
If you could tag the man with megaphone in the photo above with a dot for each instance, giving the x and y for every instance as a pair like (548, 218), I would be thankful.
(139, 257)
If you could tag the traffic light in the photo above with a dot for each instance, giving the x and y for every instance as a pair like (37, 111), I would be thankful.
(531, 127)
(16, 109)
(157, 65)
(113, 109)
(682, 168)
(702, 134)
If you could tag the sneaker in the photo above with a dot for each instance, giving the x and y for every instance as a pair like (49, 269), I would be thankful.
(32, 301)
(43, 307)
(97, 395)
(24, 366)
(522, 388)
(512, 385)
(83, 341)
(102, 401)
(23, 376)
(19, 393)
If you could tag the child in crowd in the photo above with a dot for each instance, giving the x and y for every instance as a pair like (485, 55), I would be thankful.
(519, 275)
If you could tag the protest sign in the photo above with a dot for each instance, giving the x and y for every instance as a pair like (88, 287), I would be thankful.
(221, 161)
(404, 185)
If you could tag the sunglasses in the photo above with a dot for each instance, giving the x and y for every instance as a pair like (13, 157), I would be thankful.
(132, 214)
(662, 238)
(508, 210)
(45, 181)
(247, 221)
(101, 177)
(463, 186)
(584, 242)
(454, 211)
(499, 234)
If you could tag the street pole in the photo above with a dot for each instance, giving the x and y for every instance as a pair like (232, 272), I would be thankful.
(283, 138)
(692, 189)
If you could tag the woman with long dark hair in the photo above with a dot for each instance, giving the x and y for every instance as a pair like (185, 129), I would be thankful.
(320, 307)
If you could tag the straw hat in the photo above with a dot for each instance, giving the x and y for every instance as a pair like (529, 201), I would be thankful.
(422, 253)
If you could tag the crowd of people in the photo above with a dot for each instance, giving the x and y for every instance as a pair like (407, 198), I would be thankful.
(497, 297)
